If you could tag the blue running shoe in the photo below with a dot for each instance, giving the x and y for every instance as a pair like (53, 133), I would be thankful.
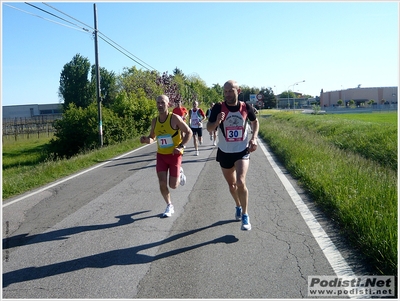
(246, 222)
(238, 214)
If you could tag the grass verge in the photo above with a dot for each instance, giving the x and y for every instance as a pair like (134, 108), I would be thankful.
(356, 191)
(25, 167)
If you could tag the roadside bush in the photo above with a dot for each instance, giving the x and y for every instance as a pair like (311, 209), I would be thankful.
(77, 131)
(135, 110)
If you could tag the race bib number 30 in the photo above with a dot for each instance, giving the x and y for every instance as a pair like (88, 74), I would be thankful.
(165, 141)
(234, 133)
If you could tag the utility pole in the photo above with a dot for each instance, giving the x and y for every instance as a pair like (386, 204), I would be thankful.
(98, 78)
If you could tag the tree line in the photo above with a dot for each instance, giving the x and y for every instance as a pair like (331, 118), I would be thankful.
(127, 100)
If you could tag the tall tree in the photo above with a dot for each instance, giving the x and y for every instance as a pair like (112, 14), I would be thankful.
(108, 85)
(132, 80)
(170, 87)
(269, 98)
(74, 84)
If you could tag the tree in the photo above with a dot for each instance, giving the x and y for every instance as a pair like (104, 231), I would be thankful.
(74, 84)
(108, 86)
(178, 72)
(284, 94)
(132, 80)
(340, 102)
(269, 98)
(245, 92)
(169, 87)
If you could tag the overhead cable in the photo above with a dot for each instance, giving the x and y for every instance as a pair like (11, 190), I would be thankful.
(68, 15)
(101, 35)
(80, 29)
(127, 51)
(55, 15)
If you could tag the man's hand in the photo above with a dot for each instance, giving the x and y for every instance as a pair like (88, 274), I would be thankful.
(144, 139)
(252, 145)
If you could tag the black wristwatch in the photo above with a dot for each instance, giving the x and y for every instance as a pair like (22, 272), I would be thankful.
(181, 145)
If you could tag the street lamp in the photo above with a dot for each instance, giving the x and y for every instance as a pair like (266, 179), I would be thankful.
(296, 83)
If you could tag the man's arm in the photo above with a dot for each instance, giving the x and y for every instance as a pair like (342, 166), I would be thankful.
(215, 118)
(253, 140)
(150, 138)
(180, 124)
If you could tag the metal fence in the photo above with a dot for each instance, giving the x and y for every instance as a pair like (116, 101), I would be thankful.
(29, 127)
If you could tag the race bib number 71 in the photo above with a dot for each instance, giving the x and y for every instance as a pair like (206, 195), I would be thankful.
(165, 141)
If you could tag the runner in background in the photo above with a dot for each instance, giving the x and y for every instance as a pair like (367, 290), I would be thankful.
(196, 117)
(213, 134)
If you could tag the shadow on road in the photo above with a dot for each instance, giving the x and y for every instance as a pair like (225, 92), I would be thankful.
(23, 239)
(127, 256)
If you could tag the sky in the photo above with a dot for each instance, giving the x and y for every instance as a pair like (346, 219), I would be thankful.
(298, 46)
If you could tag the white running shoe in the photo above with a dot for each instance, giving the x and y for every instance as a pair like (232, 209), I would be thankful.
(182, 178)
(214, 143)
(197, 153)
(169, 211)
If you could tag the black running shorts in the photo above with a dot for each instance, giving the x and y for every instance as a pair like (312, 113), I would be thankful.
(227, 160)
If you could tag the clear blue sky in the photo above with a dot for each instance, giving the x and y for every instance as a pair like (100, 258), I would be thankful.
(330, 45)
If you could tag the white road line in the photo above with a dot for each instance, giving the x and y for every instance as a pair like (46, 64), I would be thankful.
(332, 254)
(69, 178)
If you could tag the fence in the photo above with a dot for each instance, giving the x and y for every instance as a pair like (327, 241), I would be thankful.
(29, 127)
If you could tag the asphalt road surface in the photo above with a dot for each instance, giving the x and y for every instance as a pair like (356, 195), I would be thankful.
(99, 234)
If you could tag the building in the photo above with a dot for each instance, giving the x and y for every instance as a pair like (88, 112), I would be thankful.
(360, 96)
(33, 110)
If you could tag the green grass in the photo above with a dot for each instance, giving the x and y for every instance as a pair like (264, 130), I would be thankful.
(373, 139)
(24, 151)
(25, 166)
(357, 191)
(381, 118)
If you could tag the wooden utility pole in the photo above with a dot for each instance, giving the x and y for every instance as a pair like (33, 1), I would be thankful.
(98, 78)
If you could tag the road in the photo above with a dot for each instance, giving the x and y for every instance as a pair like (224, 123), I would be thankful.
(99, 234)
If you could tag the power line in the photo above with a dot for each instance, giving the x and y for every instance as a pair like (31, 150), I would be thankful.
(106, 37)
(41, 17)
(54, 15)
(128, 52)
(68, 15)
(123, 53)
(103, 36)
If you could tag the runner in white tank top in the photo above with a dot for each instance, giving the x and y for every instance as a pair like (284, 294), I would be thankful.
(235, 145)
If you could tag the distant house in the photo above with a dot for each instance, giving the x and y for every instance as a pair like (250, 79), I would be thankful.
(33, 110)
(360, 96)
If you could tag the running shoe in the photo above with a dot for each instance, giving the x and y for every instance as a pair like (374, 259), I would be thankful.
(214, 143)
(182, 178)
(246, 222)
(168, 212)
(238, 214)
(197, 152)
(211, 137)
